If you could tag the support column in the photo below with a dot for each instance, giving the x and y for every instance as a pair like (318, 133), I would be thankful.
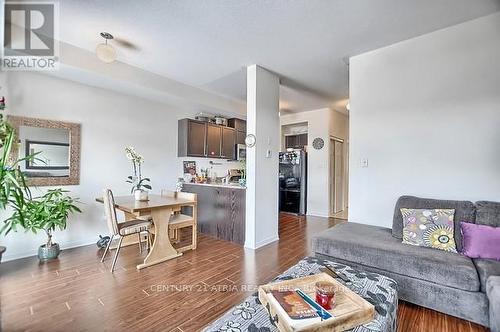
(263, 159)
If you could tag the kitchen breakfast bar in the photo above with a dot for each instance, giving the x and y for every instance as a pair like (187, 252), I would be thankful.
(221, 210)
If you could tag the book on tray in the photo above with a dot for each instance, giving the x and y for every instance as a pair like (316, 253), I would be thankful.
(296, 311)
(294, 305)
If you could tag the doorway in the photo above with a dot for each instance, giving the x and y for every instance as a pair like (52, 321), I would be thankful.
(338, 167)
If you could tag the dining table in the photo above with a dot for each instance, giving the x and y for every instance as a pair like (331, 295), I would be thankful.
(159, 208)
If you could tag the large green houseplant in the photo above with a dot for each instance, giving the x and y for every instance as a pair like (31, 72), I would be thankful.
(46, 212)
(12, 188)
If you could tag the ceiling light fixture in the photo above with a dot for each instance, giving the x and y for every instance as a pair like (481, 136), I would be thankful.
(105, 52)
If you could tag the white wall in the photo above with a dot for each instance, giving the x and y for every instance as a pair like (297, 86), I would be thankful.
(426, 114)
(109, 122)
(323, 123)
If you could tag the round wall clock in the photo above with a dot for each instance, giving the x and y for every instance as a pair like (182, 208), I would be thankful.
(318, 143)
(250, 140)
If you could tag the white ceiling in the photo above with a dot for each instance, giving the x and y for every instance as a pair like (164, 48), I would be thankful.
(208, 43)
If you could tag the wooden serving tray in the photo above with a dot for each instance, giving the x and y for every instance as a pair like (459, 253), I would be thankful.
(350, 309)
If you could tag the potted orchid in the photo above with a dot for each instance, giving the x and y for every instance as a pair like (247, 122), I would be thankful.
(139, 184)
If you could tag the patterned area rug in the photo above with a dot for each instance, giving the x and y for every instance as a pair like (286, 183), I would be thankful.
(380, 291)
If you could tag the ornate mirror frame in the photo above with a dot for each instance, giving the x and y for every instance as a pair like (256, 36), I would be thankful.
(74, 150)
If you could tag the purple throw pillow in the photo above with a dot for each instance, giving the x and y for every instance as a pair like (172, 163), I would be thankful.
(480, 241)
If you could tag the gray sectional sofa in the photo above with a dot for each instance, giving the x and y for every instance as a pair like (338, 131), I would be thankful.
(443, 281)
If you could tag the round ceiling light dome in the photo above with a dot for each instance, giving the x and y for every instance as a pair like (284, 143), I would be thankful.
(105, 52)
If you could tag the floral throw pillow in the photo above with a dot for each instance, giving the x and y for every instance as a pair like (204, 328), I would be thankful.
(431, 228)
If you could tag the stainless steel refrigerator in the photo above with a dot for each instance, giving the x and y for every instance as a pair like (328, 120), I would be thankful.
(293, 182)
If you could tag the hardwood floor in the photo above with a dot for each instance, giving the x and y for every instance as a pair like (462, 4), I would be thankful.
(77, 293)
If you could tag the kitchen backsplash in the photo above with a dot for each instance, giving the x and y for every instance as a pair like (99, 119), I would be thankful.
(220, 166)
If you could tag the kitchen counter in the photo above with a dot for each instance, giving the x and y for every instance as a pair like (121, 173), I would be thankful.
(219, 185)
(221, 210)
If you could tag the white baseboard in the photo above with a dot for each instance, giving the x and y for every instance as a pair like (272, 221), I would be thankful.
(317, 214)
(33, 252)
(263, 243)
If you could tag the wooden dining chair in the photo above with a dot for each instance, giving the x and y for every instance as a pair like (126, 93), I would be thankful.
(122, 229)
(180, 219)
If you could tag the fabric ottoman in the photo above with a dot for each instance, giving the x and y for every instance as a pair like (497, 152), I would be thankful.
(380, 291)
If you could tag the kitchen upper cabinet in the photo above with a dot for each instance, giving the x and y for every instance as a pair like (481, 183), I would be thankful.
(240, 137)
(302, 140)
(214, 140)
(290, 141)
(228, 143)
(202, 139)
(296, 141)
(238, 124)
(191, 138)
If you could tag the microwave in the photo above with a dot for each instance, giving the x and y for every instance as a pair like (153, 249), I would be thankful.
(241, 152)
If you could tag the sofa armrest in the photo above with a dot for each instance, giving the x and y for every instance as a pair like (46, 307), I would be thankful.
(493, 293)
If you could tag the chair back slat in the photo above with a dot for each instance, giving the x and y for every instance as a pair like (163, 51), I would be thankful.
(109, 208)
(178, 194)
(168, 193)
(189, 196)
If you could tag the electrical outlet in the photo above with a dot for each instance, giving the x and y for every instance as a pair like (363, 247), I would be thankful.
(364, 163)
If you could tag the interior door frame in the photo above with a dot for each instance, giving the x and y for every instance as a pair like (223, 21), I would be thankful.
(332, 193)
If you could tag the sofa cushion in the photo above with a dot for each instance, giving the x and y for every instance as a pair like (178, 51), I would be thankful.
(375, 246)
(464, 211)
(480, 241)
(488, 213)
(486, 268)
(429, 228)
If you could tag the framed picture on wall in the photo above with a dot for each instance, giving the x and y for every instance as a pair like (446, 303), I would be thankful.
(189, 167)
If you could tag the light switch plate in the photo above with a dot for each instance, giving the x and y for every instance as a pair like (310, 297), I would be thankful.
(268, 154)
(364, 162)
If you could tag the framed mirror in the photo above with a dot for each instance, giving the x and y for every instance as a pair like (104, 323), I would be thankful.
(57, 148)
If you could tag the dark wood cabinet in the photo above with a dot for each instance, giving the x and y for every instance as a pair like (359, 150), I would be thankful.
(228, 143)
(240, 137)
(214, 140)
(241, 129)
(192, 138)
(238, 124)
(296, 141)
(303, 140)
(221, 211)
(290, 141)
(202, 139)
